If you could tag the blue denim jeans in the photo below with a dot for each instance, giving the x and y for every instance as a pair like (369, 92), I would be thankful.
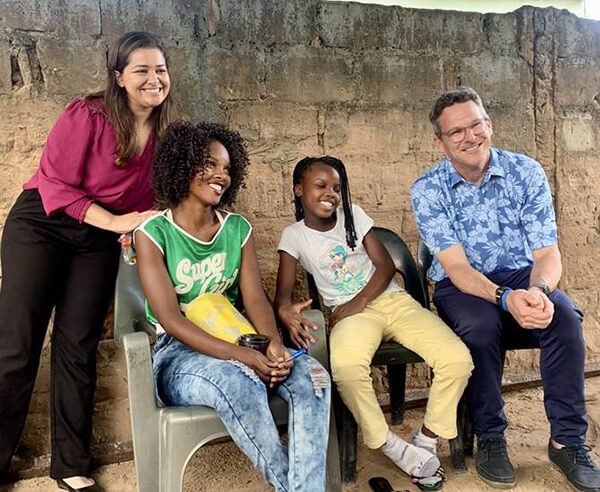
(186, 377)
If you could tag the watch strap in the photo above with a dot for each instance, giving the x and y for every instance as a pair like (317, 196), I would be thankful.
(499, 294)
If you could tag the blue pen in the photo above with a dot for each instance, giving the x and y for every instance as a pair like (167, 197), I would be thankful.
(296, 354)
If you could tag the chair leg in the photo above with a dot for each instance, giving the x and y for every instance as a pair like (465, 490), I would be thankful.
(397, 383)
(348, 437)
(457, 453)
(334, 481)
(172, 472)
(459, 447)
(468, 431)
(466, 424)
(178, 443)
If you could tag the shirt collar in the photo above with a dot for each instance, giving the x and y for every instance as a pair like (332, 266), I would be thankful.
(494, 169)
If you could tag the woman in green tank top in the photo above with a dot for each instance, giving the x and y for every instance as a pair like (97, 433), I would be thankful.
(192, 249)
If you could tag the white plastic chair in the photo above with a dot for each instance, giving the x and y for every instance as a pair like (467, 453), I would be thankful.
(165, 438)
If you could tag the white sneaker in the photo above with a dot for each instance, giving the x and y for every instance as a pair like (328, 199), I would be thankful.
(412, 460)
(424, 442)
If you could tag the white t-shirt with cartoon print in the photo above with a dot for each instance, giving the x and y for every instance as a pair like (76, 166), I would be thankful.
(339, 272)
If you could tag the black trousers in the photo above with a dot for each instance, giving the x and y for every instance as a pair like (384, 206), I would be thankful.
(52, 262)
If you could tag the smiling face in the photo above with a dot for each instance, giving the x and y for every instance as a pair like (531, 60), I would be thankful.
(145, 79)
(471, 155)
(319, 191)
(210, 183)
(338, 259)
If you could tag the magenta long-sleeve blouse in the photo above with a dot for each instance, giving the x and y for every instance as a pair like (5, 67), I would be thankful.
(78, 168)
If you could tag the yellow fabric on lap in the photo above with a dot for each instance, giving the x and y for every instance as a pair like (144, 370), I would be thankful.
(218, 317)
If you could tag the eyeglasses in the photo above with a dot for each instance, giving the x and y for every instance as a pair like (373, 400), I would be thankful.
(458, 134)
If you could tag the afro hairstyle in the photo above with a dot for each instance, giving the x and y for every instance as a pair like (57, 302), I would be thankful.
(183, 153)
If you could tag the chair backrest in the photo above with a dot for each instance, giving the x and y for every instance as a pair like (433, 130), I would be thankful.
(130, 310)
(403, 261)
(424, 260)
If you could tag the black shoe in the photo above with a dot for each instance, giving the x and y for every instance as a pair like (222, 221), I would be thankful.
(90, 488)
(380, 484)
(492, 463)
(577, 466)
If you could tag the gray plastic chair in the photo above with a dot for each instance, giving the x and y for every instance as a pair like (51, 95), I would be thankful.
(165, 438)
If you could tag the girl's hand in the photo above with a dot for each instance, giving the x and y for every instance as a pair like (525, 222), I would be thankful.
(277, 353)
(261, 365)
(353, 306)
(298, 325)
(128, 222)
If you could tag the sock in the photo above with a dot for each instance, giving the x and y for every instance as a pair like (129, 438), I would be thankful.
(414, 461)
(422, 441)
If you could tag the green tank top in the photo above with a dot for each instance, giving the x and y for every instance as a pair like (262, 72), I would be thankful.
(196, 267)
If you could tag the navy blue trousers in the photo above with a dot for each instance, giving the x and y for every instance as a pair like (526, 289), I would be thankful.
(484, 328)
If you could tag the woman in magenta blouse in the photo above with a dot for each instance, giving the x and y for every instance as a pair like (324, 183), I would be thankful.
(60, 249)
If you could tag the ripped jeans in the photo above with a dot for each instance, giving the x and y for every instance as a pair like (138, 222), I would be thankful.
(186, 377)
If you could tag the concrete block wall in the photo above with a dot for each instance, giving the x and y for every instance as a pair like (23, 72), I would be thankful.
(308, 77)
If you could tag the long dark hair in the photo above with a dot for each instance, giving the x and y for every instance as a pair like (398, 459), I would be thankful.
(115, 97)
(338, 165)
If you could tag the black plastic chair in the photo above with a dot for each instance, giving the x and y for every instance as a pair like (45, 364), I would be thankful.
(463, 444)
(390, 354)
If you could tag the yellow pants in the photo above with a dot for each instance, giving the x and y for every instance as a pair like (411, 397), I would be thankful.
(397, 316)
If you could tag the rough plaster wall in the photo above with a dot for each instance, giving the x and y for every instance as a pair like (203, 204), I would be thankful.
(304, 77)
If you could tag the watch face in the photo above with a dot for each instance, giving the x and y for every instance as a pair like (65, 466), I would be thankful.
(544, 287)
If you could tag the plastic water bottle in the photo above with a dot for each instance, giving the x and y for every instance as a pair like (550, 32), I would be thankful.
(127, 250)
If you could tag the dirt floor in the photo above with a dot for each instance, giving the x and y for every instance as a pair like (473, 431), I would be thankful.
(224, 468)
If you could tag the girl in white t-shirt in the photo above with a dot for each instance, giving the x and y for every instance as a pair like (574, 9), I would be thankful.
(353, 271)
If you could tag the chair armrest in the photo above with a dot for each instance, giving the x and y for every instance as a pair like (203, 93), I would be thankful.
(319, 350)
(140, 383)
(133, 326)
(143, 411)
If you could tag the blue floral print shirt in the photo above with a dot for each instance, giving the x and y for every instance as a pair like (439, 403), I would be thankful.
(498, 222)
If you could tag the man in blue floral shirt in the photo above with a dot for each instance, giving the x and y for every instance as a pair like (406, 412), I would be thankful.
(486, 215)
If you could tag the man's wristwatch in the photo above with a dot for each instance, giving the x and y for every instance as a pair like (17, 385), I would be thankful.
(545, 288)
(500, 291)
